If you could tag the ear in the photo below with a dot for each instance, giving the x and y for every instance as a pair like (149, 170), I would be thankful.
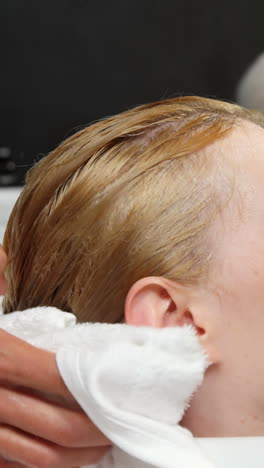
(158, 302)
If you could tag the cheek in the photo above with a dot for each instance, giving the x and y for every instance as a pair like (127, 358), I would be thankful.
(240, 288)
(241, 298)
(242, 311)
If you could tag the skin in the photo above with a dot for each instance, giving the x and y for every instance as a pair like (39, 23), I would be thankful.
(36, 430)
(228, 309)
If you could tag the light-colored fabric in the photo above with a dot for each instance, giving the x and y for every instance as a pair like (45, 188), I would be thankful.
(133, 382)
(137, 405)
(8, 197)
(234, 452)
(250, 89)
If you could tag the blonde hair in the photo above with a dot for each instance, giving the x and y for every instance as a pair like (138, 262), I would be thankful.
(127, 197)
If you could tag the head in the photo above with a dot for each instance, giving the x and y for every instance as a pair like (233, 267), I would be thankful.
(151, 216)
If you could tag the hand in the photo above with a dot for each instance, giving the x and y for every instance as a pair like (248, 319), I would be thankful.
(47, 432)
(41, 425)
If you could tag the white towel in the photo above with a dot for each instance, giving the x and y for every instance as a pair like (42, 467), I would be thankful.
(133, 382)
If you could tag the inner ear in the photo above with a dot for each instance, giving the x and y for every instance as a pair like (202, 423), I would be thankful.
(189, 320)
(172, 307)
(186, 318)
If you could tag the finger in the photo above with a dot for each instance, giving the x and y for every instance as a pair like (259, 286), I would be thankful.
(10, 464)
(25, 365)
(57, 424)
(37, 453)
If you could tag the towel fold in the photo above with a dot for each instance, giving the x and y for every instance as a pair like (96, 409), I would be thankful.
(133, 382)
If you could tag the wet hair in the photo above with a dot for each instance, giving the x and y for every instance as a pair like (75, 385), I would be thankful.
(127, 197)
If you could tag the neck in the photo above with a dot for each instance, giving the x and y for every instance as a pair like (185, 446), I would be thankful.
(221, 409)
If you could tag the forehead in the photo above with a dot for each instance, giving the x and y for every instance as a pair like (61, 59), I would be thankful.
(244, 146)
(244, 150)
(240, 232)
(240, 154)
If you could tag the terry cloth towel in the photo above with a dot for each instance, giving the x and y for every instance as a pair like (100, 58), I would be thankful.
(133, 382)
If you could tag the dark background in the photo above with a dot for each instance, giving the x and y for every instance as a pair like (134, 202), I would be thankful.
(65, 63)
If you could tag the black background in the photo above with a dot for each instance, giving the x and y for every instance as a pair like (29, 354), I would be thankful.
(65, 63)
